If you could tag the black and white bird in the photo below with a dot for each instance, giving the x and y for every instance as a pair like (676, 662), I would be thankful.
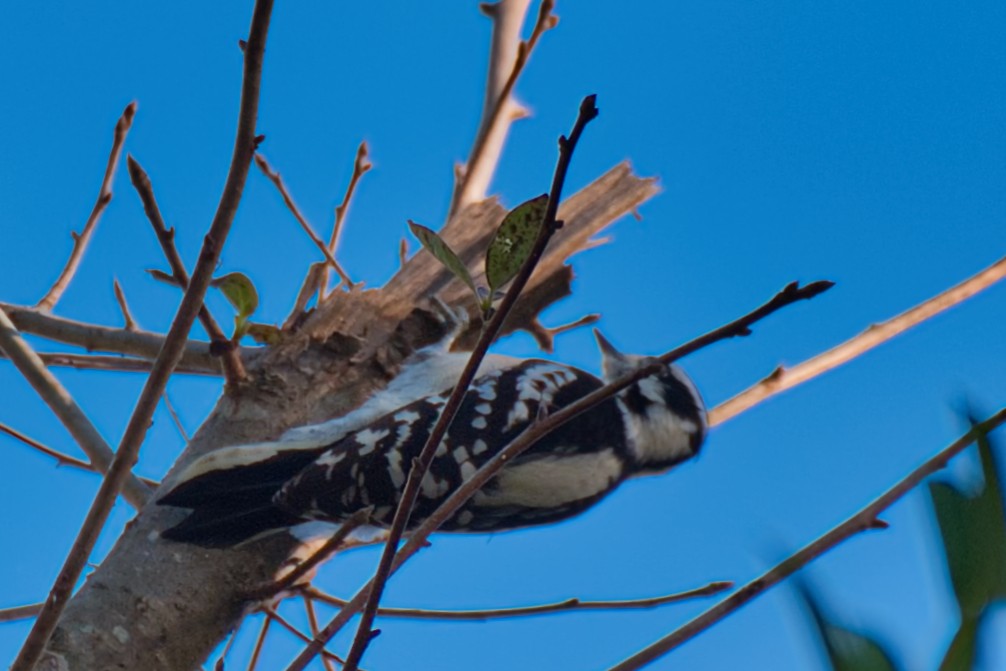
(327, 472)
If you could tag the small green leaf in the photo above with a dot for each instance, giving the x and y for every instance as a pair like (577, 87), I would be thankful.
(162, 276)
(240, 291)
(846, 649)
(265, 334)
(513, 241)
(435, 245)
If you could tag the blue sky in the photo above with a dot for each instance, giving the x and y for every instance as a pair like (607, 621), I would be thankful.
(861, 142)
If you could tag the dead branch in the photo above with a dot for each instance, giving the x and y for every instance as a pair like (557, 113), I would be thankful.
(120, 298)
(234, 371)
(360, 167)
(80, 241)
(277, 180)
(171, 352)
(64, 407)
(507, 57)
(20, 612)
(119, 364)
(864, 520)
(782, 379)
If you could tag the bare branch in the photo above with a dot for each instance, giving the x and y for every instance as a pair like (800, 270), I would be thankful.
(863, 520)
(175, 418)
(296, 632)
(564, 606)
(360, 166)
(545, 336)
(507, 58)
(276, 179)
(312, 283)
(259, 642)
(61, 459)
(782, 379)
(20, 612)
(81, 241)
(64, 407)
(588, 111)
(120, 364)
(739, 327)
(234, 371)
(312, 621)
(92, 337)
(170, 354)
(121, 299)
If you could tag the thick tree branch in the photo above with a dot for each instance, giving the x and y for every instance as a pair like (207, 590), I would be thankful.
(234, 371)
(782, 379)
(81, 241)
(92, 337)
(277, 180)
(64, 407)
(171, 352)
(588, 112)
(507, 57)
(863, 520)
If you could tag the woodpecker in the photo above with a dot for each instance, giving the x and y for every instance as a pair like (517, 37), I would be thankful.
(327, 472)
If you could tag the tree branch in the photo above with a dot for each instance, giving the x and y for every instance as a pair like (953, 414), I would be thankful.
(360, 167)
(120, 364)
(171, 352)
(782, 379)
(507, 58)
(127, 316)
(62, 459)
(81, 241)
(417, 538)
(234, 371)
(863, 520)
(64, 407)
(588, 111)
(276, 179)
(564, 606)
(20, 612)
(196, 355)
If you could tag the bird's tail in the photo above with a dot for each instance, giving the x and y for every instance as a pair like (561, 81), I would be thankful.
(231, 491)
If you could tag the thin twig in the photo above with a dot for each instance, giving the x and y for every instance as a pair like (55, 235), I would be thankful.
(499, 108)
(20, 612)
(545, 336)
(170, 354)
(283, 622)
(355, 520)
(65, 408)
(122, 364)
(417, 538)
(360, 166)
(782, 378)
(93, 337)
(234, 371)
(276, 179)
(120, 298)
(588, 111)
(259, 642)
(563, 606)
(81, 241)
(61, 459)
(863, 520)
(175, 418)
(312, 622)
(312, 284)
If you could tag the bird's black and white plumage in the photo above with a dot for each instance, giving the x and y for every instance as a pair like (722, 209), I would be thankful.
(329, 471)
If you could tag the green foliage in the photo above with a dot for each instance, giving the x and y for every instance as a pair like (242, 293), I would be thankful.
(241, 293)
(513, 241)
(973, 530)
(442, 252)
(846, 649)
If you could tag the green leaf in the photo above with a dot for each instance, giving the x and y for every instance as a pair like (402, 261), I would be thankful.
(847, 649)
(513, 241)
(961, 654)
(435, 245)
(240, 291)
(265, 334)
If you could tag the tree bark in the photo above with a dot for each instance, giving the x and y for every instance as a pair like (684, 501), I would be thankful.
(161, 606)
